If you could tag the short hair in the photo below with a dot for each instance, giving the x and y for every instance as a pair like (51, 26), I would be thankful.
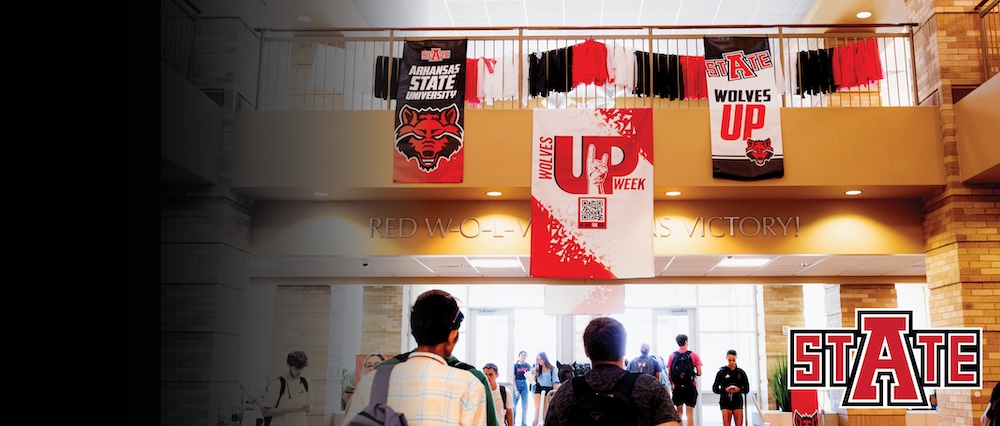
(297, 359)
(522, 353)
(604, 339)
(433, 316)
(681, 339)
(731, 352)
(491, 366)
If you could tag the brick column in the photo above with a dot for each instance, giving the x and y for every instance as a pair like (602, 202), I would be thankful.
(960, 222)
(784, 308)
(383, 319)
(850, 298)
(206, 232)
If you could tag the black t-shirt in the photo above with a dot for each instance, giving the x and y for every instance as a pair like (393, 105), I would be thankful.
(520, 369)
(651, 398)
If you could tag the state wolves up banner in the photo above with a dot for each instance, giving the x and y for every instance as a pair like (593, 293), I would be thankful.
(430, 113)
(592, 193)
(744, 107)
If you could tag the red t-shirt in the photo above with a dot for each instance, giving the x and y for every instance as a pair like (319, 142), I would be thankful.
(695, 359)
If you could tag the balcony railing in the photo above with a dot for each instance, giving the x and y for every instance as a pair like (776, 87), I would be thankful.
(989, 29)
(350, 69)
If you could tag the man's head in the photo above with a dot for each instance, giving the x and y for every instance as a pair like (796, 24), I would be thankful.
(296, 360)
(644, 349)
(435, 319)
(523, 355)
(490, 370)
(682, 340)
(604, 340)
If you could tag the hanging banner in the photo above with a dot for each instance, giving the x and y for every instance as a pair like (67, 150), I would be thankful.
(592, 193)
(430, 113)
(744, 105)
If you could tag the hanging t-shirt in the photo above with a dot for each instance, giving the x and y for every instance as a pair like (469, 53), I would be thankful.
(590, 63)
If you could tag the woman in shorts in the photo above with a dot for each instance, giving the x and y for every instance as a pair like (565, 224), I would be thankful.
(731, 384)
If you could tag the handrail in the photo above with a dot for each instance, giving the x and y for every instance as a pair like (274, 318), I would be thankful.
(760, 411)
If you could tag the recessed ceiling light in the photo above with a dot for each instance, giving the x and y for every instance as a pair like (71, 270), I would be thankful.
(321, 194)
(672, 193)
(493, 193)
(495, 263)
(304, 18)
(742, 262)
(864, 14)
(852, 192)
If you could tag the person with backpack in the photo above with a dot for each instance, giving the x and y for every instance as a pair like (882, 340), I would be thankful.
(684, 367)
(287, 400)
(645, 363)
(424, 386)
(501, 397)
(608, 394)
(731, 384)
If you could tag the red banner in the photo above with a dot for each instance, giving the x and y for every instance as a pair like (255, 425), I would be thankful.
(430, 113)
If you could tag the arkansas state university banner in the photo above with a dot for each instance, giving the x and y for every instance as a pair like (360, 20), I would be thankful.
(744, 106)
(592, 193)
(430, 113)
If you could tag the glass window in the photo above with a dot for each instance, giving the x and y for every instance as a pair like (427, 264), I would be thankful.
(726, 295)
(728, 319)
(506, 296)
(660, 296)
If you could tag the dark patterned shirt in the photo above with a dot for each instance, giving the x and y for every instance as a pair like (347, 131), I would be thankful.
(651, 398)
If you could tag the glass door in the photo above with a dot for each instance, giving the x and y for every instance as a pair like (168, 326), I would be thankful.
(667, 324)
(492, 340)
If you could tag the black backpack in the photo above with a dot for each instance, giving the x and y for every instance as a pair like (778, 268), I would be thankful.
(610, 407)
(305, 384)
(503, 396)
(682, 372)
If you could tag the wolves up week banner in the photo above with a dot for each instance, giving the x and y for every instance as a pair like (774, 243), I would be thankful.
(430, 113)
(592, 193)
(744, 107)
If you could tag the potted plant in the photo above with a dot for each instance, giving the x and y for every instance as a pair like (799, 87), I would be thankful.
(779, 384)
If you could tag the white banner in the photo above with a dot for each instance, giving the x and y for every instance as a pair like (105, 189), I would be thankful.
(592, 193)
(584, 299)
(744, 105)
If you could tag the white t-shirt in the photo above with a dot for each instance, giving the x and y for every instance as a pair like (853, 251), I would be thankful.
(498, 403)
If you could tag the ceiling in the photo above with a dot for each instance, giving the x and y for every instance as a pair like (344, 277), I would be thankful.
(340, 14)
(329, 14)
(685, 268)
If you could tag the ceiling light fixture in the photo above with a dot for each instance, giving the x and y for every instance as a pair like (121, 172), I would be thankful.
(493, 193)
(321, 194)
(743, 262)
(852, 192)
(864, 14)
(304, 18)
(672, 193)
(495, 263)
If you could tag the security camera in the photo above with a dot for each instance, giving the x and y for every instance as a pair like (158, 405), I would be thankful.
(364, 264)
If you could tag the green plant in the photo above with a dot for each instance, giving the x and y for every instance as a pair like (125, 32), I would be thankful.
(779, 384)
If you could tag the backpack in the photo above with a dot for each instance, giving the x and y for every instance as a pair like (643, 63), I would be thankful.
(281, 392)
(610, 407)
(378, 413)
(682, 372)
(643, 365)
(503, 397)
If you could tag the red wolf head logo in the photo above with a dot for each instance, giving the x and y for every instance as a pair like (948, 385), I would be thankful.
(428, 135)
(800, 419)
(759, 152)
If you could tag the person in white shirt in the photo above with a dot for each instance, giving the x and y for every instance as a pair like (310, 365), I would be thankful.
(501, 396)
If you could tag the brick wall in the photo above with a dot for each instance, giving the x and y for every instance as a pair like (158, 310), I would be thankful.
(963, 274)
(960, 222)
(302, 323)
(382, 327)
(784, 308)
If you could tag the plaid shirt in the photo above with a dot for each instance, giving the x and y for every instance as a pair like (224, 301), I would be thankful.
(428, 392)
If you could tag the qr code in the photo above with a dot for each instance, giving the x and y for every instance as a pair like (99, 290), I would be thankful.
(593, 212)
